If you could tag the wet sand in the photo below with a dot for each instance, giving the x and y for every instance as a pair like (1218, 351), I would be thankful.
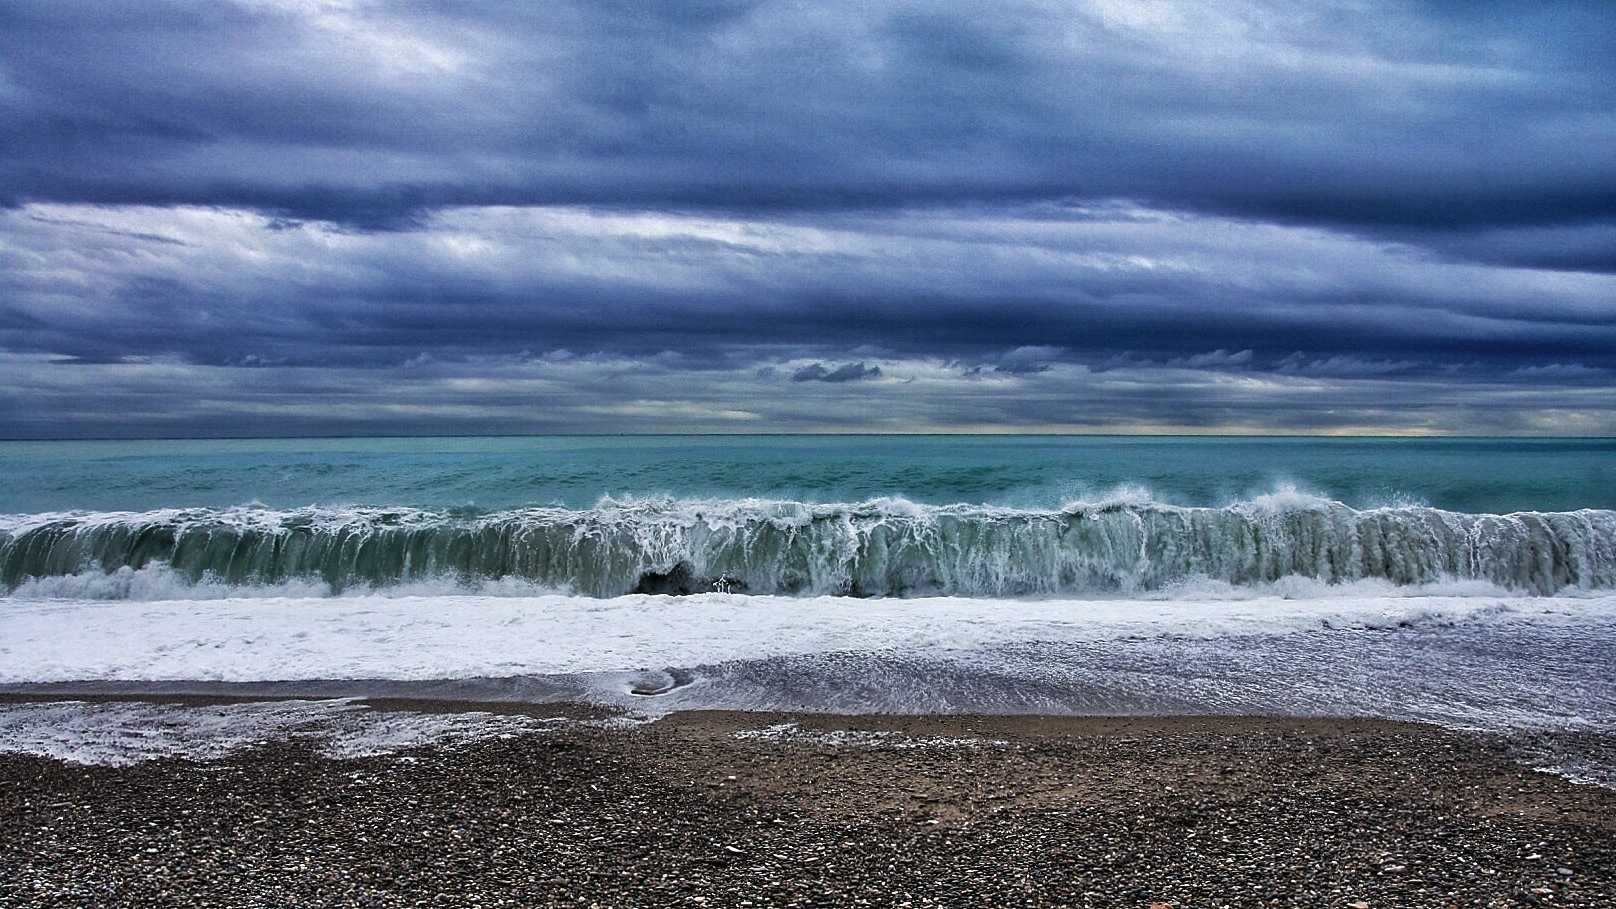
(737, 809)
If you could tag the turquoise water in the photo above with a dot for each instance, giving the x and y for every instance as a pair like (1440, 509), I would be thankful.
(1464, 475)
(851, 516)
(904, 574)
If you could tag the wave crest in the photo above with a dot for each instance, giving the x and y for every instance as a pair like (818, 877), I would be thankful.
(885, 547)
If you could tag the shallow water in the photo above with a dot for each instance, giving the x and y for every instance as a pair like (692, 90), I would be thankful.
(1498, 663)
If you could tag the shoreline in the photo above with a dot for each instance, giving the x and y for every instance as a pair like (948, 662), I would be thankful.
(820, 809)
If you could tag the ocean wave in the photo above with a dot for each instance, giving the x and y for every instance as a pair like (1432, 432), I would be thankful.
(1125, 544)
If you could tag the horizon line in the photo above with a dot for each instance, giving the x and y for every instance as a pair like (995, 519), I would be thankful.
(813, 434)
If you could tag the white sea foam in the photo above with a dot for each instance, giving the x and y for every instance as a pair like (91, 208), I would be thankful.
(162, 582)
(864, 738)
(122, 733)
(1497, 663)
(1295, 587)
(1117, 546)
(245, 640)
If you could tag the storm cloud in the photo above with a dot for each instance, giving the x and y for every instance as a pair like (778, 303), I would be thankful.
(847, 372)
(266, 217)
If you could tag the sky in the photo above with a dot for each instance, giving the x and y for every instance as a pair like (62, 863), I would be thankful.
(340, 217)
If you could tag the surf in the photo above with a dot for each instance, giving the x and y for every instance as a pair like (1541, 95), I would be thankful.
(885, 547)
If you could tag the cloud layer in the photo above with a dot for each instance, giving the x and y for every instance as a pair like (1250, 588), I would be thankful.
(265, 217)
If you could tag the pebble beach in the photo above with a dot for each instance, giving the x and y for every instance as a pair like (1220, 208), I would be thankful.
(748, 809)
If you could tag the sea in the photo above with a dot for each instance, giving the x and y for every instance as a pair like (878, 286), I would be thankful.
(1465, 582)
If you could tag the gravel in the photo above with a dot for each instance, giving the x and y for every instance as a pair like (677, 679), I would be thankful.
(696, 810)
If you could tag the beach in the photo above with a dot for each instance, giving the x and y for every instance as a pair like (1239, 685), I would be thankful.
(739, 454)
(734, 809)
(882, 672)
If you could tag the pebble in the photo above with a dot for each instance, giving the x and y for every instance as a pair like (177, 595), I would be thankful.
(1067, 813)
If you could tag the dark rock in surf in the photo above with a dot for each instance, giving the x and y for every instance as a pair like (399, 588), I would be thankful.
(681, 580)
(651, 684)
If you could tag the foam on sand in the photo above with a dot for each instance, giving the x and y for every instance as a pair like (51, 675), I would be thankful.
(119, 734)
(446, 637)
(1475, 661)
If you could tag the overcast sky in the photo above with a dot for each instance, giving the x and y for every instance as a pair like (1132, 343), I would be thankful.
(307, 217)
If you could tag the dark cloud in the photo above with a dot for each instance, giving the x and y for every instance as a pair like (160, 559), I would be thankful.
(1029, 359)
(847, 372)
(1008, 301)
(1344, 366)
(1214, 359)
(1386, 117)
(592, 393)
(994, 288)
(1183, 214)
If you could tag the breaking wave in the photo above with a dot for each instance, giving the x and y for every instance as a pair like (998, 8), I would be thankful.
(883, 547)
